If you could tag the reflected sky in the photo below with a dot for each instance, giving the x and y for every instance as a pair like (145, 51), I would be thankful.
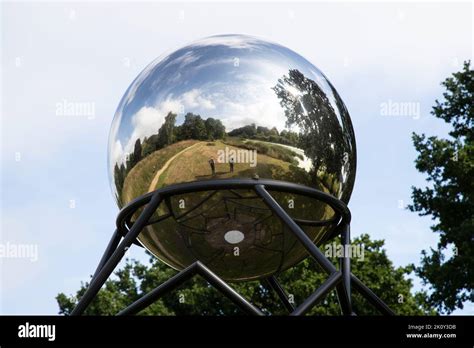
(228, 77)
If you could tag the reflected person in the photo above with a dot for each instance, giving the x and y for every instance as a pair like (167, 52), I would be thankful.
(212, 163)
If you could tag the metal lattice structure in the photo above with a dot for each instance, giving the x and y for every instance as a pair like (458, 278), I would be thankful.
(340, 278)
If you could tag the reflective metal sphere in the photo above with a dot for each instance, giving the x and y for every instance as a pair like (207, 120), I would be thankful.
(231, 106)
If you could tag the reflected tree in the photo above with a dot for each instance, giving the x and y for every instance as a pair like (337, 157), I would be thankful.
(137, 152)
(214, 129)
(193, 127)
(321, 134)
(166, 132)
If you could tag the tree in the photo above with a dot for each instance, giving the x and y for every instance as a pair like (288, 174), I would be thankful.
(263, 130)
(321, 127)
(197, 298)
(119, 179)
(214, 128)
(137, 152)
(248, 131)
(449, 199)
(193, 127)
(166, 132)
(149, 145)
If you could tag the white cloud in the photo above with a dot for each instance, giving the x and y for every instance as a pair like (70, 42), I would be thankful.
(258, 105)
(186, 59)
(195, 99)
(261, 112)
(146, 122)
(148, 119)
(116, 152)
(130, 95)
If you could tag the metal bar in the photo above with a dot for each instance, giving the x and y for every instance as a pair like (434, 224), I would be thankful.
(344, 288)
(370, 296)
(344, 301)
(299, 233)
(114, 259)
(240, 183)
(158, 219)
(225, 289)
(320, 292)
(346, 263)
(114, 241)
(162, 289)
(275, 285)
(332, 221)
(113, 253)
(204, 200)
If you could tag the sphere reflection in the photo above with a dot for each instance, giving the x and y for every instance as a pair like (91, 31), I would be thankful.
(231, 106)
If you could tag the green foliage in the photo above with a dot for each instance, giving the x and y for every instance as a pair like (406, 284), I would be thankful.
(214, 129)
(166, 132)
(265, 134)
(248, 131)
(316, 110)
(119, 177)
(137, 152)
(193, 127)
(149, 145)
(196, 297)
(449, 198)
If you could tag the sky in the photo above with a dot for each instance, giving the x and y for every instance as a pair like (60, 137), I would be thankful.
(55, 195)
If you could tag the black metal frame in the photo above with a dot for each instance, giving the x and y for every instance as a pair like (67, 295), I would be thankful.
(127, 231)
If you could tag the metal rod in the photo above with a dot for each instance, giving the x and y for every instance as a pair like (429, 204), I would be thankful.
(114, 259)
(346, 265)
(240, 183)
(299, 233)
(183, 276)
(344, 288)
(224, 288)
(340, 279)
(156, 293)
(276, 286)
(316, 296)
(370, 296)
(331, 221)
(114, 241)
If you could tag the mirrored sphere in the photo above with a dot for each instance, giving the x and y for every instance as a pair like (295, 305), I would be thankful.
(231, 106)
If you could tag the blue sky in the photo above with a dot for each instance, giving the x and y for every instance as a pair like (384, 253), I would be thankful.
(54, 183)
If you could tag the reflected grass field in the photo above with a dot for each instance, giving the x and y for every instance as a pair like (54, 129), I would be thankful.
(138, 180)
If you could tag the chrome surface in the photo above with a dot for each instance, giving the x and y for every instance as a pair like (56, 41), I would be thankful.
(231, 106)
